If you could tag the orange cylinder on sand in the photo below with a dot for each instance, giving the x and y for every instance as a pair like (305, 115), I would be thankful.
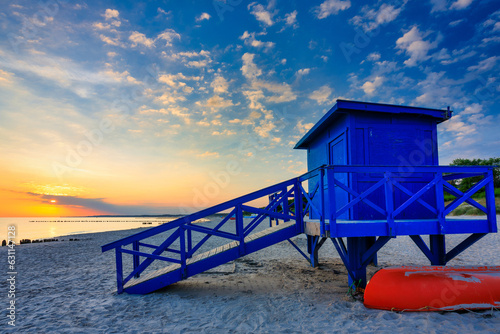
(434, 288)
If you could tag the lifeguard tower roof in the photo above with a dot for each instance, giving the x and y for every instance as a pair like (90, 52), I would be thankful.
(344, 106)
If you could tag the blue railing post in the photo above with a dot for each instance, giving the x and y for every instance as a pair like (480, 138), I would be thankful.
(330, 181)
(119, 269)
(297, 193)
(286, 210)
(271, 198)
(322, 227)
(182, 249)
(490, 202)
(389, 203)
(440, 201)
(135, 247)
(189, 243)
(240, 229)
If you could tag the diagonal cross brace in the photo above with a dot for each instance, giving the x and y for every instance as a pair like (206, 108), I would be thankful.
(360, 197)
(144, 264)
(457, 193)
(309, 201)
(453, 205)
(416, 196)
(208, 236)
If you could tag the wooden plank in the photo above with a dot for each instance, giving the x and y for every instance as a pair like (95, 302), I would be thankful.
(312, 228)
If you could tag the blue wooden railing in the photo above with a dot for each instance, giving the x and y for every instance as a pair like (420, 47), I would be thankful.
(324, 185)
(432, 180)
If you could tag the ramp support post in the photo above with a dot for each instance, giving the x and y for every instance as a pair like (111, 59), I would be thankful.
(314, 243)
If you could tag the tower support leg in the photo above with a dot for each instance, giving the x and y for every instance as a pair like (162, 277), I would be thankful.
(356, 247)
(438, 249)
(370, 241)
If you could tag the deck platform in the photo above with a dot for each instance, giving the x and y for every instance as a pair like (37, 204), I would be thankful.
(372, 228)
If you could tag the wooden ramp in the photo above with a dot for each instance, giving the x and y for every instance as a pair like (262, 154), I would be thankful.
(171, 274)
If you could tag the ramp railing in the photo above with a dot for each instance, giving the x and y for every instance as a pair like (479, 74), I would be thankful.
(176, 237)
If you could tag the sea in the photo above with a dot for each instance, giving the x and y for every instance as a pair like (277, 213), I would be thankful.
(34, 228)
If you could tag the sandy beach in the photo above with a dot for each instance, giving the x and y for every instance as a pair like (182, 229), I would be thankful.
(69, 287)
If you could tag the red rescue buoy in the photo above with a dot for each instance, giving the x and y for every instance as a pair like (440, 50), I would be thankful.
(434, 288)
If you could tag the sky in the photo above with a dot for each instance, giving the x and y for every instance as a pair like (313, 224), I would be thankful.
(144, 107)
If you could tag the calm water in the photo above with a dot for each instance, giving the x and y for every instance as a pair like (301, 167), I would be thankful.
(39, 228)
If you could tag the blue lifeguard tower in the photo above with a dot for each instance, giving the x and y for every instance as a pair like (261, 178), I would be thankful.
(373, 175)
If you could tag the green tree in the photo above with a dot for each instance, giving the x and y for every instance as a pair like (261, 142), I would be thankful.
(469, 182)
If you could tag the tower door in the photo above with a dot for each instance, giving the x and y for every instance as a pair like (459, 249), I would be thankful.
(337, 155)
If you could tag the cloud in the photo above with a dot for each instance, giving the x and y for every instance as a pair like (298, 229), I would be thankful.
(161, 11)
(474, 108)
(249, 39)
(5, 77)
(138, 38)
(215, 102)
(111, 14)
(253, 96)
(173, 80)
(110, 41)
(460, 4)
(203, 16)
(458, 127)
(197, 63)
(374, 56)
(180, 112)
(291, 19)
(153, 111)
(456, 22)
(249, 69)
(484, 65)
(369, 87)
(282, 92)
(219, 85)
(413, 44)
(170, 98)
(169, 35)
(436, 90)
(303, 128)
(223, 133)
(372, 18)
(65, 73)
(187, 58)
(99, 204)
(438, 5)
(261, 14)
(303, 71)
(101, 26)
(208, 154)
(456, 55)
(444, 5)
(331, 7)
(321, 95)
(265, 127)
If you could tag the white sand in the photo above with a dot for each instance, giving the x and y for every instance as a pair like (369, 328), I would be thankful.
(68, 287)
